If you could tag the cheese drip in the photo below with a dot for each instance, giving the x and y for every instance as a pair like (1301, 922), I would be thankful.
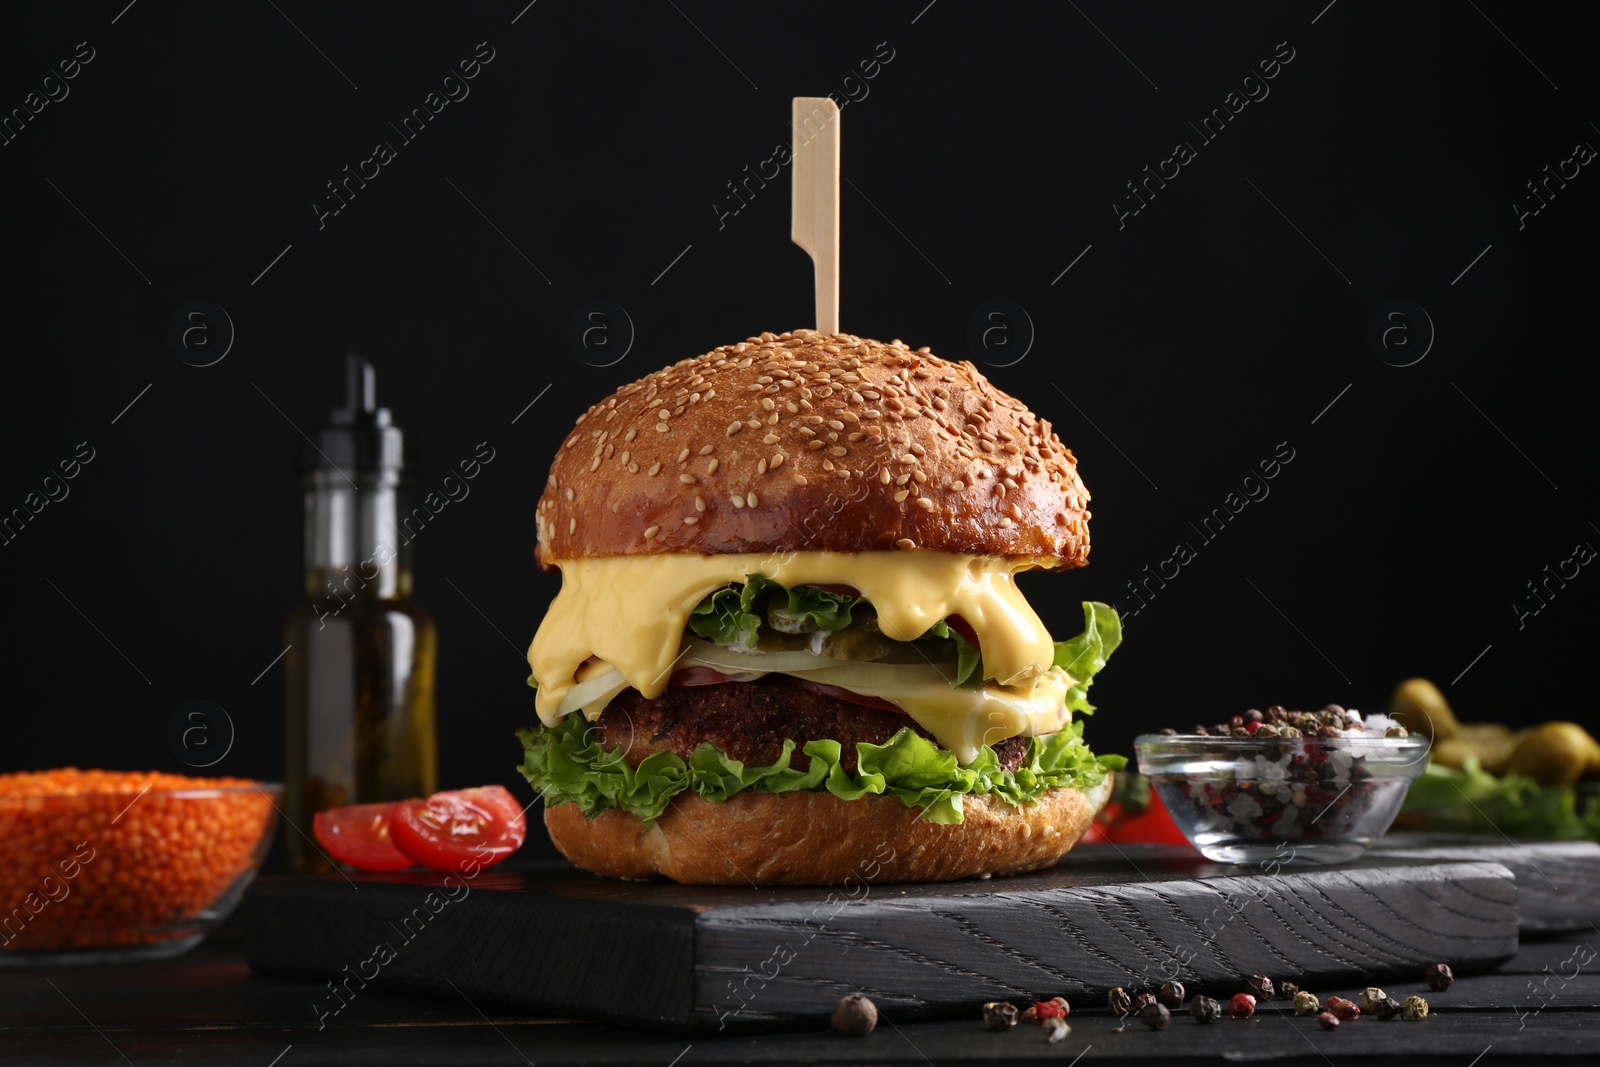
(630, 611)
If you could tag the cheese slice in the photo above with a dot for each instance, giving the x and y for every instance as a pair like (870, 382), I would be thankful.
(630, 612)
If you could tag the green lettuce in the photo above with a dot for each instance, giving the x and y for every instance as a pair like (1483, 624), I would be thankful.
(1085, 656)
(733, 616)
(1471, 800)
(567, 764)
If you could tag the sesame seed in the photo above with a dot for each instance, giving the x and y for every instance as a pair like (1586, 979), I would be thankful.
(761, 467)
(572, 524)
(925, 503)
(734, 427)
(705, 450)
(919, 476)
(777, 461)
(905, 543)
(699, 504)
(816, 443)
(838, 450)
(901, 495)
(907, 458)
(883, 475)
(711, 468)
(751, 500)
(690, 520)
(655, 469)
(683, 456)
(1004, 522)
(661, 427)
(596, 464)
(800, 479)
(686, 479)
(569, 492)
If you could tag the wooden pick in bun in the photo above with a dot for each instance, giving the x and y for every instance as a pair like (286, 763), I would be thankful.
(789, 633)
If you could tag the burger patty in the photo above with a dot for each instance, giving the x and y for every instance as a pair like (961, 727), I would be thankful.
(750, 721)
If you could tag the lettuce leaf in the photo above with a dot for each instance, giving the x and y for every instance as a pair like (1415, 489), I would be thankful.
(1473, 801)
(733, 616)
(567, 764)
(1085, 656)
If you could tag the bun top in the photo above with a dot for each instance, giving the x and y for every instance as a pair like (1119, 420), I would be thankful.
(813, 442)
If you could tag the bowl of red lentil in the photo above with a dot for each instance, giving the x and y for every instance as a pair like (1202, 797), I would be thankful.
(1284, 788)
(98, 866)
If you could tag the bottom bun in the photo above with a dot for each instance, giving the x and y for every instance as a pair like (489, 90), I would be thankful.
(819, 839)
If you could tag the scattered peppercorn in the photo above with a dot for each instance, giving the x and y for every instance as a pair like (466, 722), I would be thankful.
(1170, 995)
(1140, 1000)
(1371, 997)
(1413, 1009)
(1259, 986)
(1056, 1029)
(1118, 1001)
(1345, 1010)
(1328, 1021)
(999, 1015)
(1287, 990)
(1054, 1008)
(854, 1016)
(1242, 1006)
(1204, 1009)
(1306, 1003)
(1439, 977)
(1155, 1016)
(1387, 1008)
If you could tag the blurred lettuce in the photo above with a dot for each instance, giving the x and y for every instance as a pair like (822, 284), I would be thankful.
(1471, 800)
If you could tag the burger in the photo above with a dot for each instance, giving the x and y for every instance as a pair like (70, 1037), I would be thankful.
(789, 645)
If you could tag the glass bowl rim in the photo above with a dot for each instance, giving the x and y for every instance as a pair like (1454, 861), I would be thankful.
(269, 789)
(1197, 741)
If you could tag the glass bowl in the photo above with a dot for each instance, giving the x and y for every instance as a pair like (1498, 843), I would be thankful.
(94, 871)
(1305, 800)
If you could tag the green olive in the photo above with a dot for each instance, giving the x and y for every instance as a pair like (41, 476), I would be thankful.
(1418, 705)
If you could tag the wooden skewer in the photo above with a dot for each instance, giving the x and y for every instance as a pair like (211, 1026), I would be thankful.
(814, 201)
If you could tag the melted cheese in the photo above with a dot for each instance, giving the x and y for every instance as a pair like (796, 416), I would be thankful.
(630, 612)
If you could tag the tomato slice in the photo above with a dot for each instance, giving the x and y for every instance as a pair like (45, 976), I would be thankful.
(454, 830)
(358, 835)
(839, 693)
(698, 676)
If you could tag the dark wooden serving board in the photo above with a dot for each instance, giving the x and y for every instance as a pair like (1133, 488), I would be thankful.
(553, 939)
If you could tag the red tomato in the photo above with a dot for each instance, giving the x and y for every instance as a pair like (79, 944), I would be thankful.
(451, 831)
(697, 676)
(839, 693)
(358, 835)
(1152, 826)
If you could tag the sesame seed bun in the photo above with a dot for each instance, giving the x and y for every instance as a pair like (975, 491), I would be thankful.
(813, 442)
(766, 839)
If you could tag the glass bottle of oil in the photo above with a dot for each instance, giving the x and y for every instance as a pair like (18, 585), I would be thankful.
(359, 672)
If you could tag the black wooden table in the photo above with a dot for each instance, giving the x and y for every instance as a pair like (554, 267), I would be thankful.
(208, 1008)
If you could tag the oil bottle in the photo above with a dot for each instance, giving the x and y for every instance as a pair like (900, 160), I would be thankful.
(359, 672)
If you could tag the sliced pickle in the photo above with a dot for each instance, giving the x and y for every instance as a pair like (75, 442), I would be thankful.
(852, 642)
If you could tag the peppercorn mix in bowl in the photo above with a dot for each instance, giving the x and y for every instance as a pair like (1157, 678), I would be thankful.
(104, 865)
(1284, 786)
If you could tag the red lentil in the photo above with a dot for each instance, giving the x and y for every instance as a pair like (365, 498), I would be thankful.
(83, 864)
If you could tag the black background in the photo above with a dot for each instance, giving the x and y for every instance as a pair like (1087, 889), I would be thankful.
(984, 159)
